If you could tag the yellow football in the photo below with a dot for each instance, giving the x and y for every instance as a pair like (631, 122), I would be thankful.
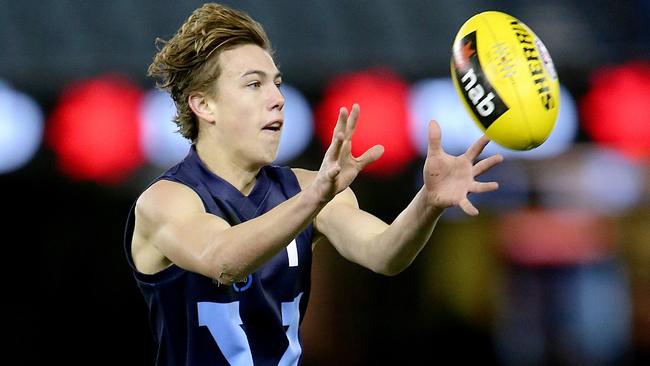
(505, 77)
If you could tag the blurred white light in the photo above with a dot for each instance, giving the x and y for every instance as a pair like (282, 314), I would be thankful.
(437, 99)
(21, 128)
(162, 145)
(298, 126)
(611, 183)
(596, 179)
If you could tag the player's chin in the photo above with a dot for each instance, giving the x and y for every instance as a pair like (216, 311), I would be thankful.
(269, 155)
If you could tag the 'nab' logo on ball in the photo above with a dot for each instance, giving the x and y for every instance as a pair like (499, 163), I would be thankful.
(477, 90)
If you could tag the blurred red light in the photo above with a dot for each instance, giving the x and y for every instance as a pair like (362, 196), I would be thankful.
(382, 97)
(616, 111)
(94, 130)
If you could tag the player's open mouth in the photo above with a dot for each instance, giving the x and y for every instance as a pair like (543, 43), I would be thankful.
(273, 126)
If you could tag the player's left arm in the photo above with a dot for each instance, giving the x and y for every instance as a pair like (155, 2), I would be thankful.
(389, 249)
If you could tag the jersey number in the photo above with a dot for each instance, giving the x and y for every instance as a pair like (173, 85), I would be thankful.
(224, 323)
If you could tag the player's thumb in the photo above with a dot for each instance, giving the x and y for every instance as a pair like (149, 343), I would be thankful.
(435, 137)
(370, 156)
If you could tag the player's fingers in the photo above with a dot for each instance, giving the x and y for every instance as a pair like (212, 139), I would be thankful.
(468, 207)
(477, 147)
(486, 164)
(435, 137)
(369, 156)
(334, 171)
(334, 150)
(351, 123)
(341, 122)
(482, 187)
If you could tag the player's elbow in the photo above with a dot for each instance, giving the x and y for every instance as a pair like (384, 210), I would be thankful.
(227, 274)
(387, 273)
(217, 266)
(390, 269)
(392, 266)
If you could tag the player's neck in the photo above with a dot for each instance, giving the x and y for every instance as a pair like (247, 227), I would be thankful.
(223, 165)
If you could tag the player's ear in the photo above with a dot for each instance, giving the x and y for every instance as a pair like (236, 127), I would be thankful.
(200, 104)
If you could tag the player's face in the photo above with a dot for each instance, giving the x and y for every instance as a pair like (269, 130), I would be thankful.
(248, 105)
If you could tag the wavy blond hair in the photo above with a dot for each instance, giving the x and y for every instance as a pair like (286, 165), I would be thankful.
(187, 63)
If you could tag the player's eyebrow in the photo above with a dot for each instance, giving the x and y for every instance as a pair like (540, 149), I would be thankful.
(261, 74)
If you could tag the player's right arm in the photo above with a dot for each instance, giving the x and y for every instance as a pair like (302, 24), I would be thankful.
(172, 226)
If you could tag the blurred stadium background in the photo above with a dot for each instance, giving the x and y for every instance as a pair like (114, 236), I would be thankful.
(555, 270)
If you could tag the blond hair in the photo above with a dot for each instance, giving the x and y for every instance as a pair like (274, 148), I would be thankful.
(187, 62)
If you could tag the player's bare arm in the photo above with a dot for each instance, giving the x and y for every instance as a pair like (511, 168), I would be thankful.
(389, 249)
(172, 225)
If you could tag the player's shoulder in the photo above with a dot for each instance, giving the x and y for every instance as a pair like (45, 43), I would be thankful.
(304, 176)
(167, 198)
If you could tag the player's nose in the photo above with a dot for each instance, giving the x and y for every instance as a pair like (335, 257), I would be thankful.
(276, 99)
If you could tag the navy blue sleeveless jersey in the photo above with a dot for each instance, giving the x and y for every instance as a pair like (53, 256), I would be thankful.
(195, 320)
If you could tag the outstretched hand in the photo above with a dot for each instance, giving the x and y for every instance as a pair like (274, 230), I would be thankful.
(449, 179)
(339, 168)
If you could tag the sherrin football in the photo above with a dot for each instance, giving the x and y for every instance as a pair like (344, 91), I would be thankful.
(505, 77)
